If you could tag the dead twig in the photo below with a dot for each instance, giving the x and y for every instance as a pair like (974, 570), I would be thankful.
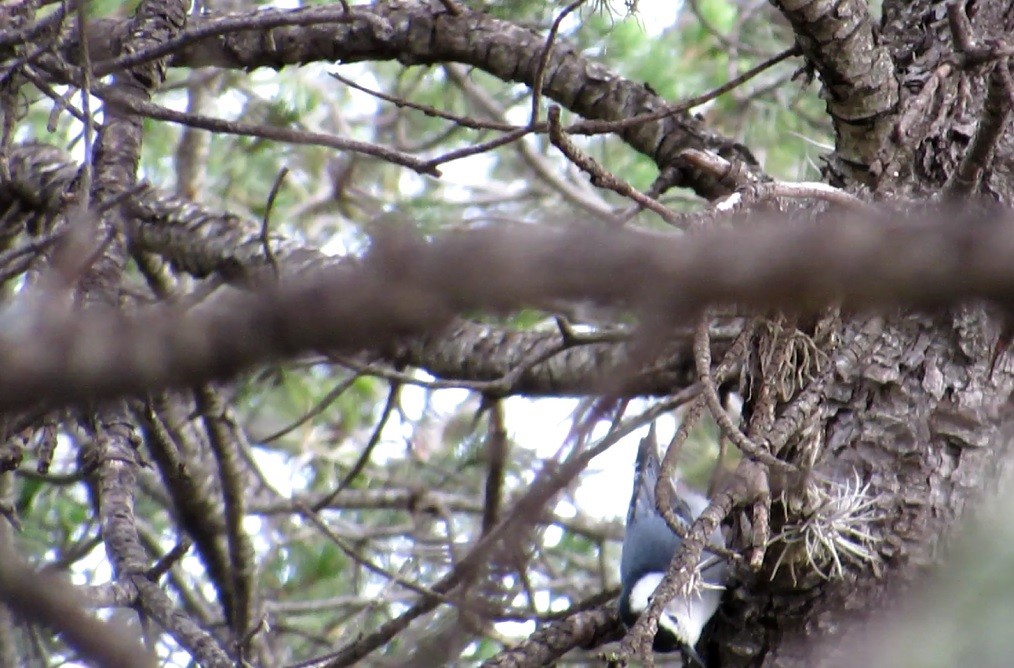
(603, 178)
(702, 356)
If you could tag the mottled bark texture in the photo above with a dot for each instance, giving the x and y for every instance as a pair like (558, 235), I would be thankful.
(589, 629)
(206, 243)
(916, 420)
(922, 423)
(919, 426)
(941, 105)
(840, 41)
(417, 33)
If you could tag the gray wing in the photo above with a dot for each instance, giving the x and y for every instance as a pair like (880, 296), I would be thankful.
(646, 527)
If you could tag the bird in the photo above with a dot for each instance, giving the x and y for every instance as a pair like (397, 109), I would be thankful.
(648, 548)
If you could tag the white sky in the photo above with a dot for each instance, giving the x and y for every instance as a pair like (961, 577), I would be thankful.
(541, 425)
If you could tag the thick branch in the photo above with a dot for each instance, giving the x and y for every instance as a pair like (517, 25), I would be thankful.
(46, 599)
(206, 243)
(407, 287)
(860, 87)
(586, 628)
(417, 33)
(470, 351)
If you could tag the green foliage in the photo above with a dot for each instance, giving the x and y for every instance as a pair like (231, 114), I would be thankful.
(417, 503)
(720, 14)
(103, 8)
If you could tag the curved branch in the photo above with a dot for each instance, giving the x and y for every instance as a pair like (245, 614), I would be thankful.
(471, 351)
(862, 92)
(204, 243)
(406, 287)
(587, 628)
(46, 599)
(417, 32)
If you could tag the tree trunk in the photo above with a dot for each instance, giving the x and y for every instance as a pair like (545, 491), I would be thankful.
(923, 422)
(896, 420)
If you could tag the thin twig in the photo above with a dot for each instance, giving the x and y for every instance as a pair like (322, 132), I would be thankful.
(287, 135)
(476, 149)
(463, 121)
(601, 177)
(547, 51)
(266, 225)
(317, 409)
(162, 566)
(702, 357)
(364, 457)
(594, 127)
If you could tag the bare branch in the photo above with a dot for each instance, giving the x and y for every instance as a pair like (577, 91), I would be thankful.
(603, 178)
(419, 32)
(48, 600)
(861, 89)
(405, 288)
(587, 628)
(702, 349)
(996, 112)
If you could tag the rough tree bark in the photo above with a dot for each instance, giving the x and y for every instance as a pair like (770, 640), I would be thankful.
(922, 423)
(919, 102)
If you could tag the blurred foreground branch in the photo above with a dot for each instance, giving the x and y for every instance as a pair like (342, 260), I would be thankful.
(406, 286)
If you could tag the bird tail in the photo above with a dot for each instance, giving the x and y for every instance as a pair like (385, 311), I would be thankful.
(646, 472)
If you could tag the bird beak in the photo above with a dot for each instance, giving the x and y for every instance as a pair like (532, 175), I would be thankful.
(695, 658)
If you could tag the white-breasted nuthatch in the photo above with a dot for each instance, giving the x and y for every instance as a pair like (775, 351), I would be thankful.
(648, 547)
